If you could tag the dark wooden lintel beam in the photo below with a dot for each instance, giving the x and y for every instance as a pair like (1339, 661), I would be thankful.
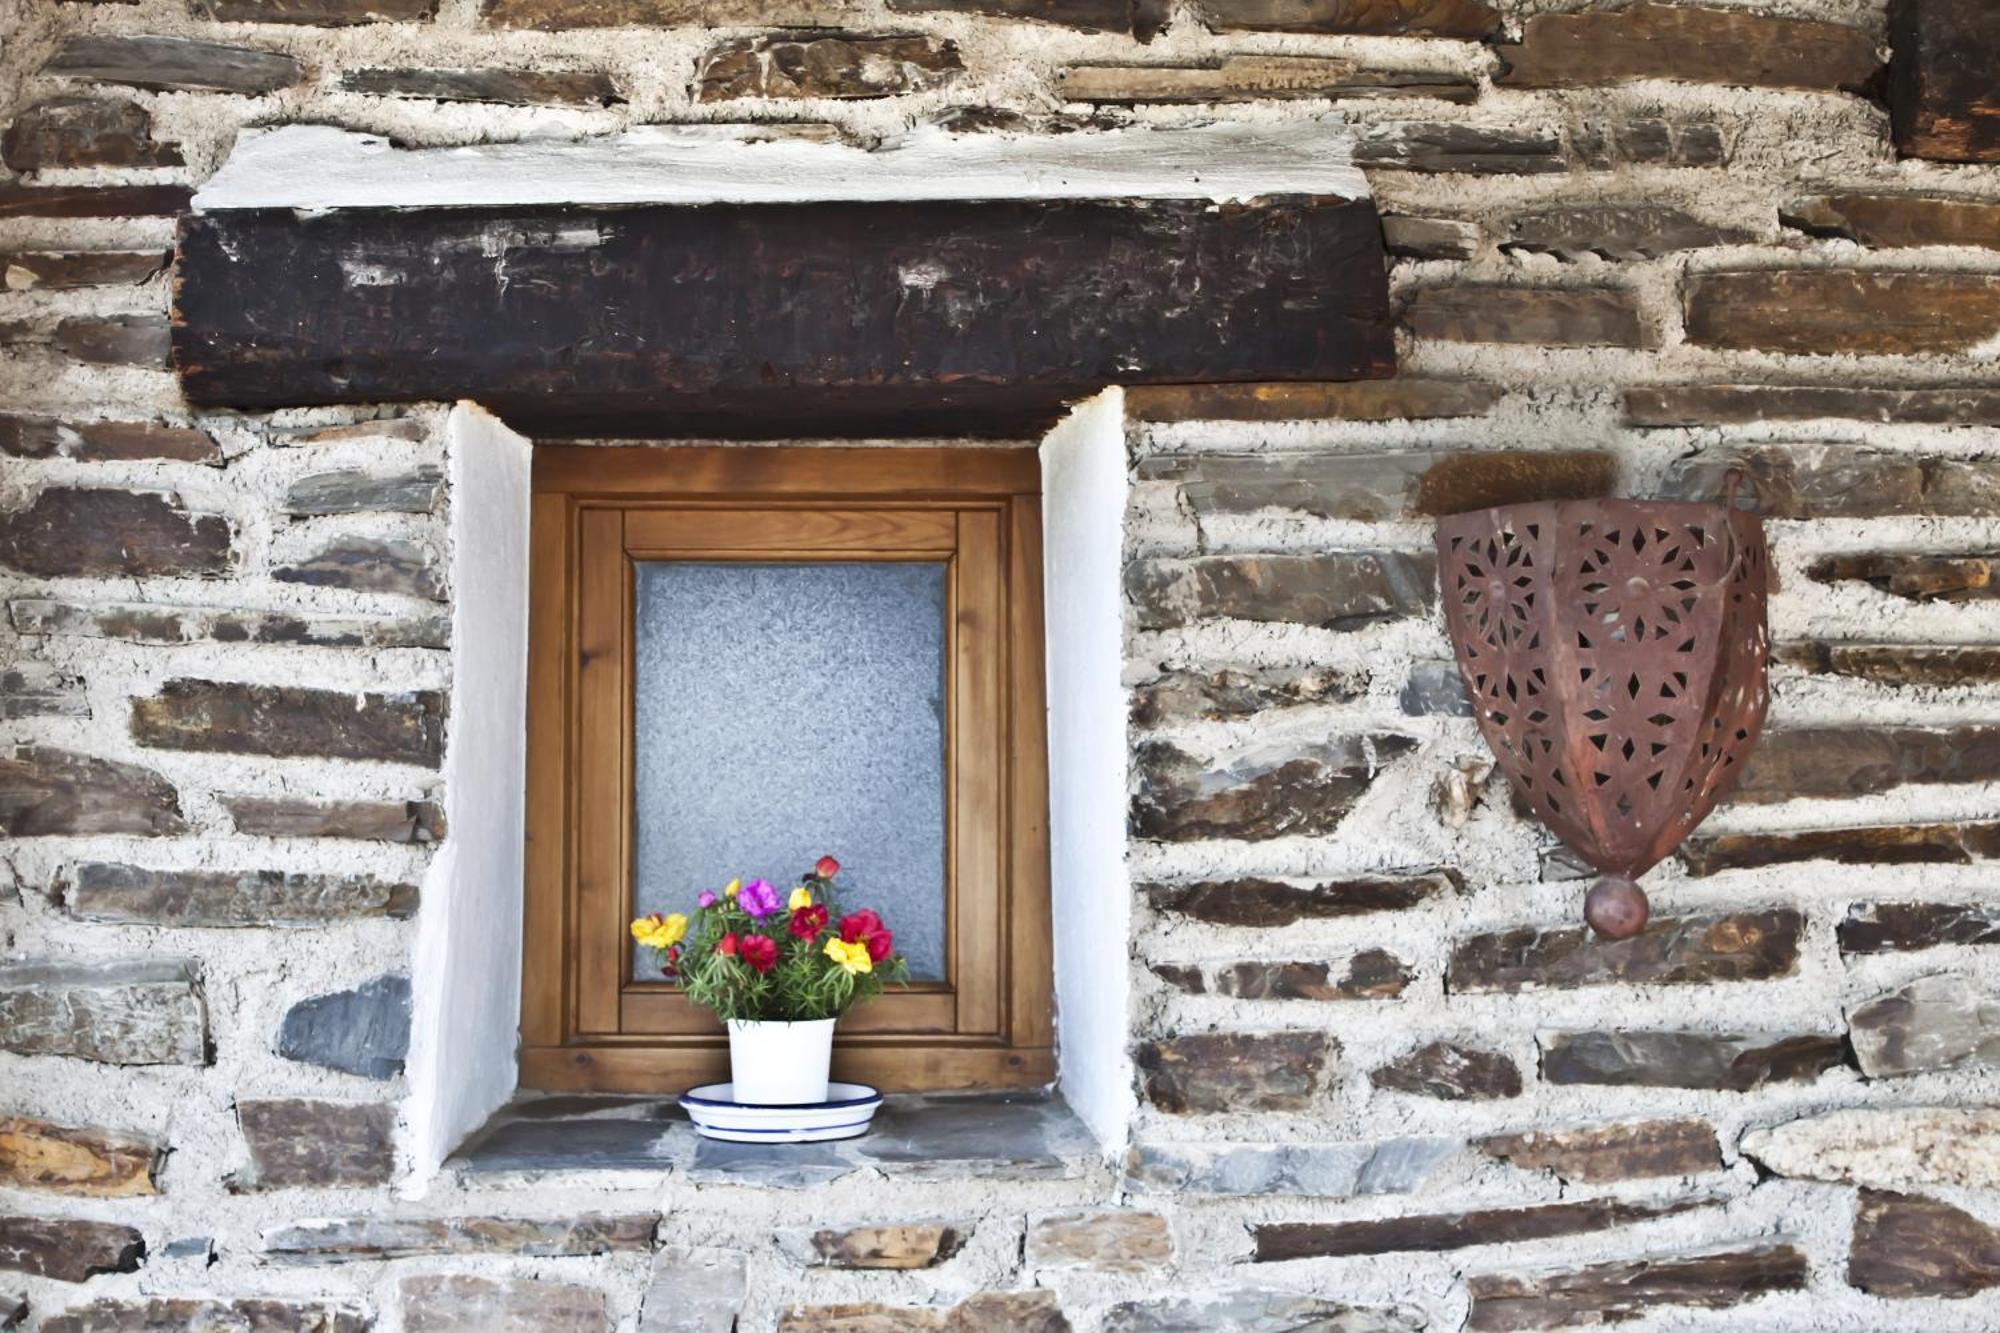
(830, 318)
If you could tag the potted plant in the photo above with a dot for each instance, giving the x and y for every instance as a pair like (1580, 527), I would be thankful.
(779, 972)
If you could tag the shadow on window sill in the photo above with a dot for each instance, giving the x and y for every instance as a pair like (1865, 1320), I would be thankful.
(990, 1136)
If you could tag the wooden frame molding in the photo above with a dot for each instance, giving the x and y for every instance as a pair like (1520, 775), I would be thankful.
(587, 1023)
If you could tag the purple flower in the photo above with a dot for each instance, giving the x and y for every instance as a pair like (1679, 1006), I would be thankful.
(758, 898)
(704, 899)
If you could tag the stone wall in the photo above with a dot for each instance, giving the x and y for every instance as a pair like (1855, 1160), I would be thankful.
(1386, 1081)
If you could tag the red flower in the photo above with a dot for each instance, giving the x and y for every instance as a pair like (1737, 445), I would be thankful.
(826, 868)
(726, 946)
(808, 921)
(760, 951)
(865, 925)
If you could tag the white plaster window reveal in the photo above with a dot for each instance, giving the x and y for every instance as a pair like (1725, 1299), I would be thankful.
(467, 959)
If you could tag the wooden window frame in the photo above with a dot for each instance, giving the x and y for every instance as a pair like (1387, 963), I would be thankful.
(586, 1025)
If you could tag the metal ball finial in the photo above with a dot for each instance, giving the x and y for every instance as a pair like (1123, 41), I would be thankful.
(1616, 908)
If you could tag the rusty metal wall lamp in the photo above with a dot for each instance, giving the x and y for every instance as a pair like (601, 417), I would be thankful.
(1616, 654)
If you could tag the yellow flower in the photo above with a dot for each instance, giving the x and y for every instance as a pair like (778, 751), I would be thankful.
(801, 897)
(660, 932)
(853, 957)
(730, 889)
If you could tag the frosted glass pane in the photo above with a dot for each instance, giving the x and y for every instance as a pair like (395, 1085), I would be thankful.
(788, 710)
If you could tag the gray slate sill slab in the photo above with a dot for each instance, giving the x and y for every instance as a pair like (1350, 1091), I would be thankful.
(988, 1136)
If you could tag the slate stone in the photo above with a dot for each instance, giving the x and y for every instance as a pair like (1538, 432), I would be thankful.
(1373, 974)
(1111, 1241)
(1258, 1310)
(1722, 1062)
(1935, 1022)
(1858, 761)
(1413, 236)
(1142, 18)
(1843, 481)
(1897, 219)
(459, 1303)
(132, 534)
(284, 721)
(92, 201)
(1829, 312)
(900, 1245)
(1596, 1154)
(1618, 231)
(46, 792)
(509, 87)
(841, 65)
(122, 1012)
(1899, 927)
(1885, 1147)
(69, 1250)
(84, 132)
(1333, 590)
(1907, 1247)
(1372, 487)
(37, 1154)
(1434, 689)
(147, 622)
(1891, 844)
(416, 822)
(556, 15)
(115, 340)
(299, 1142)
(318, 13)
(65, 270)
(363, 1031)
(1281, 1242)
(1309, 1170)
(1895, 663)
(1550, 316)
(1400, 399)
(1737, 946)
(1614, 1293)
(252, 1315)
(106, 441)
(1940, 87)
(1690, 43)
(172, 64)
(573, 1144)
(1213, 696)
(135, 896)
(353, 491)
(1268, 903)
(1032, 1311)
(1728, 404)
(1603, 142)
(369, 564)
(1204, 1073)
(1450, 1072)
(1434, 148)
(1260, 77)
(36, 689)
(1473, 20)
(695, 1290)
(861, 1317)
(13, 1309)
(1919, 576)
(1275, 792)
(355, 1239)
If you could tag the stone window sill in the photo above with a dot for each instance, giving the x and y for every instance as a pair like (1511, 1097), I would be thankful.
(986, 1136)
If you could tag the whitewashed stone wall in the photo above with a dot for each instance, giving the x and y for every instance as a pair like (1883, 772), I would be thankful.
(1384, 1082)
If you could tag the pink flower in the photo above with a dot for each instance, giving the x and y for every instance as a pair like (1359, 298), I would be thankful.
(726, 946)
(758, 898)
(826, 868)
(704, 899)
(808, 921)
(867, 927)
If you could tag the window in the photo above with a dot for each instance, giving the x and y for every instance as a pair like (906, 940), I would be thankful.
(742, 658)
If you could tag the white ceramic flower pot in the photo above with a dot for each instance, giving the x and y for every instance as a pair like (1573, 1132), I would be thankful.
(780, 1064)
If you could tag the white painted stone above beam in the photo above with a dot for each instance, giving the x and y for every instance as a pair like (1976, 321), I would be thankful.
(315, 168)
